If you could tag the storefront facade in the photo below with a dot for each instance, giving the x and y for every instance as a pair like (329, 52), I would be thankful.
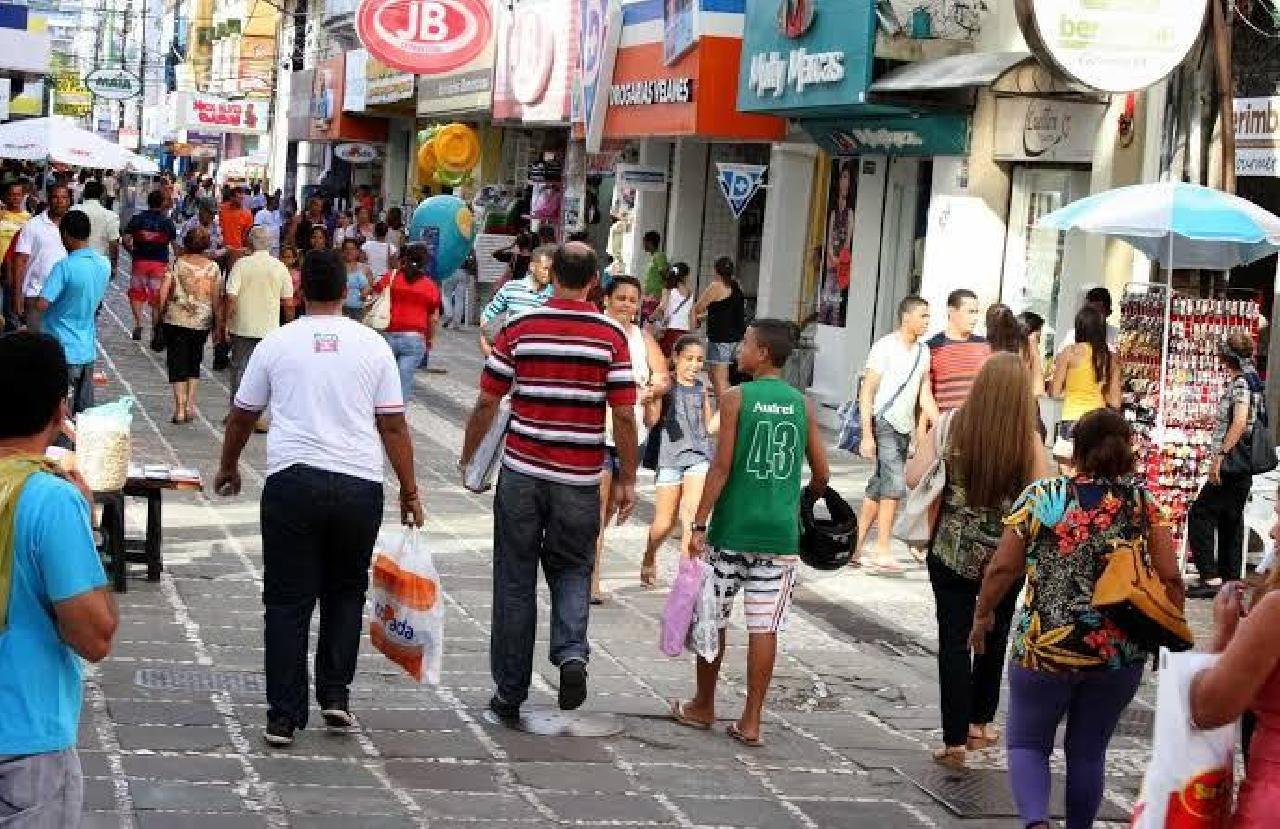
(375, 90)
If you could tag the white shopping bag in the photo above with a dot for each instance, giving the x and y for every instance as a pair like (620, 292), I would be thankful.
(478, 476)
(704, 633)
(407, 619)
(1189, 779)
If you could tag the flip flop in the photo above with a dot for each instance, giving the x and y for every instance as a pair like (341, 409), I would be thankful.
(751, 742)
(676, 709)
(894, 569)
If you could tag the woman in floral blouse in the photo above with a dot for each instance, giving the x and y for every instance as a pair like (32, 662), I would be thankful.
(1068, 659)
(987, 468)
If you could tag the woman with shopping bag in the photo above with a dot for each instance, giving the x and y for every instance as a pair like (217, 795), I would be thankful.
(1070, 658)
(986, 468)
(1246, 677)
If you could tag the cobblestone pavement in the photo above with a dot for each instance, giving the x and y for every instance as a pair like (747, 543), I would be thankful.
(170, 732)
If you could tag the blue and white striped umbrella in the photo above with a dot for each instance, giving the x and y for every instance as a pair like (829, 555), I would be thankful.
(1176, 224)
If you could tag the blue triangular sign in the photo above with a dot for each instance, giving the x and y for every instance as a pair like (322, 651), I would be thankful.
(739, 183)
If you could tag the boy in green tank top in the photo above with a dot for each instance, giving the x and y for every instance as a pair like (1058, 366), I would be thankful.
(767, 430)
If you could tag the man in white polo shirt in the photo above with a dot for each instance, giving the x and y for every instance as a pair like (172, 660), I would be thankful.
(104, 224)
(39, 248)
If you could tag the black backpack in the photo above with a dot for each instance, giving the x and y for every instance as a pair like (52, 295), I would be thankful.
(827, 544)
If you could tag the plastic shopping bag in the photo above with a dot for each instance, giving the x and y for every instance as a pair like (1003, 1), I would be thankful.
(103, 447)
(478, 476)
(1189, 779)
(704, 633)
(407, 620)
(677, 614)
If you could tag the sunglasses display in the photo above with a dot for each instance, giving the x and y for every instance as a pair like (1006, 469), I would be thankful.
(1176, 463)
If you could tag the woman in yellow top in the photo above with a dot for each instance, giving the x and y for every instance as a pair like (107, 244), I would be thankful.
(1086, 376)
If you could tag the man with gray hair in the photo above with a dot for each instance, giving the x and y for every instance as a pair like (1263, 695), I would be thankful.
(259, 295)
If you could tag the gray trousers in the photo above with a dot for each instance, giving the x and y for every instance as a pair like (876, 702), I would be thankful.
(41, 791)
(241, 350)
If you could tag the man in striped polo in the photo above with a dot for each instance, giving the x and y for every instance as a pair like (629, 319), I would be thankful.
(562, 363)
(518, 296)
(956, 354)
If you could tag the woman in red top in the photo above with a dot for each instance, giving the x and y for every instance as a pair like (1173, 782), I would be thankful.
(415, 310)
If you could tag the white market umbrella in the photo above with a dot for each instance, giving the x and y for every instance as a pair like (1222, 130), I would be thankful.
(242, 166)
(59, 140)
(138, 163)
(1176, 224)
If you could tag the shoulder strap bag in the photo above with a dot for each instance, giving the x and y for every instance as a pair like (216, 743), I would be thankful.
(850, 413)
(1255, 452)
(918, 513)
(378, 317)
(1130, 594)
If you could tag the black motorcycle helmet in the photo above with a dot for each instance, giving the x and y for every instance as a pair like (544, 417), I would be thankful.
(827, 544)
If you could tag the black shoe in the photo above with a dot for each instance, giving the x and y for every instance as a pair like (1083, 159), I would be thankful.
(137, 333)
(573, 684)
(504, 709)
(279, 732)
(338, 718)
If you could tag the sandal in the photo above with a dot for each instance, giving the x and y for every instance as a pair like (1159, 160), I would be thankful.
(736, 733)
(676, 708)
(177, 419)
(982, 737)
(953, 757)
(884, 568)
(649, 576)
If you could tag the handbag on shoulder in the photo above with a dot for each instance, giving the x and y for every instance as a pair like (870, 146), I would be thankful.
(1130, 594)
(378, 317)
(1255, 452)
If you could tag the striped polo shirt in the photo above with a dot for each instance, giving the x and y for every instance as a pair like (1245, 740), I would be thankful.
(515, 298)
(953, 366)
(563, 363)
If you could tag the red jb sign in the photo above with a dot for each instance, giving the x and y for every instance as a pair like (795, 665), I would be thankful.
(424, 37)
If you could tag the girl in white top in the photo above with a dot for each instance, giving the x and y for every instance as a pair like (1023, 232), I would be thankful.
(649, 366)
(675, 306)
(378, 252)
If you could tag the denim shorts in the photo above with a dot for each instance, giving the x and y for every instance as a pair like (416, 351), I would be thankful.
(890, 477)
(611, 462)
(675, 475)
(722, 354)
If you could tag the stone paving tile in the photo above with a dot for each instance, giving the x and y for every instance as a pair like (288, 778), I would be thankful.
(427, 756)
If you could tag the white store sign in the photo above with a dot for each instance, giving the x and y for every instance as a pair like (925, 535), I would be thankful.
(1257, 126)
(1043, 129)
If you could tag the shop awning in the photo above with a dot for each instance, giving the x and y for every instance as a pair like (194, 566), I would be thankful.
(955, 72)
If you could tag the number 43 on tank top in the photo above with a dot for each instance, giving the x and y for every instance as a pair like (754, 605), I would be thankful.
(774, 450)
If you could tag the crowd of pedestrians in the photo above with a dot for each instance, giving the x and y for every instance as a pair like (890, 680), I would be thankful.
(326, 318)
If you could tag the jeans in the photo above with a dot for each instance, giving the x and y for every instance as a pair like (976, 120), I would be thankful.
(555, 524)
(41, 791)
(241, 350)
(889, 481)
(1092, 702)
(970, 684)
(409, 349)
(80, 390)
(318, 530)
(1219, 512)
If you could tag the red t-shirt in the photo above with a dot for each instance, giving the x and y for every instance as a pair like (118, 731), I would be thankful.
(413, 304)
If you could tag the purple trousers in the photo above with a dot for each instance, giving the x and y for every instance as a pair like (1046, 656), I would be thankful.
(1092, 703)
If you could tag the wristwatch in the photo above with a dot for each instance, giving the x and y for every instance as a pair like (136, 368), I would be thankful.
(698, 527)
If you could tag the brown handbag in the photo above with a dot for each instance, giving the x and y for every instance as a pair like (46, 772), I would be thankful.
(1130, 594)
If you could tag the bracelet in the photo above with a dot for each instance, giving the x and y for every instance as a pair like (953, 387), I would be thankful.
(409, 496)
(698, 527)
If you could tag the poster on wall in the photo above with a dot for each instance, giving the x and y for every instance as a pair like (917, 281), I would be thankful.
(679, 29)
(837, 254)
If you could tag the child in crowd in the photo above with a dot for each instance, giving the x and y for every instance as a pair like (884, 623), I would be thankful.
(682, 422)
(358, 280)
(289, 257)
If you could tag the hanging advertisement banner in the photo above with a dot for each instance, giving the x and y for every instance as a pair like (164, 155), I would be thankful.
(1112, 45)
(1257, 128)
(837, 255)
(113, 83)
(354, 153)
(739, 183)
(1046, 129)
(679, 29)
(424, 37)
(601, 34)
(210, 114)
(537, 56)
(356, 82)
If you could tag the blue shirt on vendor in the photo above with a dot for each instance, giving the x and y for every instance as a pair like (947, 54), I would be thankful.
(74, 289)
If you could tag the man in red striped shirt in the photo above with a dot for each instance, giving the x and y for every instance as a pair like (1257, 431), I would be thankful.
(563, 364)
(956, 354)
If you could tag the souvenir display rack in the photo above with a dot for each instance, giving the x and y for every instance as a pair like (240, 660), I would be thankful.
(1173, 342)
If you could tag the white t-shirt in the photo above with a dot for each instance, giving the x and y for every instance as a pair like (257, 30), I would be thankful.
(378, 255)
(324, 378)
(104, 225)
(677, 310)
(41, 241)
(898, 367)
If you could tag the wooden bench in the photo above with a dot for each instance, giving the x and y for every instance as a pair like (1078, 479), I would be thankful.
(117, 549)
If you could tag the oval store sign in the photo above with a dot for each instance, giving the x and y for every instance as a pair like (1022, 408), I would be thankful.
(114, 84)
(1112, 45)
(424, 37)
(356, 153)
